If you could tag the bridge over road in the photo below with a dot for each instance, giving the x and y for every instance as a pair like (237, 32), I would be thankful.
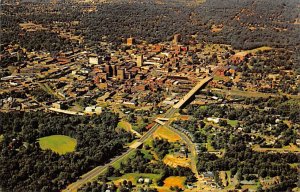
(192, 92)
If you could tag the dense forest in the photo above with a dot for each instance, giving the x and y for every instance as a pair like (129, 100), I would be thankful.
(250, 165)
(266, 116)
(257, 120)
(139, 162)
(24, 166)
(243, 24)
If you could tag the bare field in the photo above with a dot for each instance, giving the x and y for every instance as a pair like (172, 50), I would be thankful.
(175, 181)
(174, 161)
(165, 133)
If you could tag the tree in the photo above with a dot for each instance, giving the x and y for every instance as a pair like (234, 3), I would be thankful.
(110, 171)
(223, 122)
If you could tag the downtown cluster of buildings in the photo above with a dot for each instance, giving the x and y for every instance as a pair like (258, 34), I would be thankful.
(135, 74)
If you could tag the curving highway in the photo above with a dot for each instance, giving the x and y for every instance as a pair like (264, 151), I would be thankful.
(94, 173)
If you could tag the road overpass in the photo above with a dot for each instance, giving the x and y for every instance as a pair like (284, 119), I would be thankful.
(192, 92)
(94, 173)
(159, 121)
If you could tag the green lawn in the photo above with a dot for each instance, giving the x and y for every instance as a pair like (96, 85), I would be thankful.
(231, 185)
(128, 127)
(290, 148)
(251, 187)
(294, 165)
(117, 163)
(208, 146)
(166, 133)
(254, 94)
(125, 125)
(148, 142)
(60, 144)
(203, 107)
(1, 137)
(233, 123)
(263, 48)
(147, 154)
(133, 177)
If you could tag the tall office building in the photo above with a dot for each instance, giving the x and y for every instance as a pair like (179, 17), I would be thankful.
(121, 74)
(130, 41)
(93, 59)
(108, 70)
(139, 60)
(114, 70)
(177, 39)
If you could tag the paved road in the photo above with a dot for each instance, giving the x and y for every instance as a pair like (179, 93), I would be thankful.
(192, 92)
(94, 173)
(191, 146)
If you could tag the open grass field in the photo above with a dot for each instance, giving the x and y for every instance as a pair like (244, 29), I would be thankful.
(204, 107)
(223, 178)
(125, 125)
(296, 189)
(60, 144)
(208, 146)
(1, 137)
(133, 177)
(175, 181)
(250, 187)
(117, 163)
(165, 133)
(290, 148)
(128, 127)
(263, 48)
(174, 161)
(252, 51)
(147, 154)
(294, 165)
(254, 94)
(148, 142)
(231, 182)
(233, 123)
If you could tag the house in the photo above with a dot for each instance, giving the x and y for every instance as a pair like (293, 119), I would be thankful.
(245, 182)
(141, 180)
(215, 98)
(212, 119)
(93, 109)
(29, 105)
(208, 174)
(147, 181)
(190, 186)
(150, 126)
(57, 105)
